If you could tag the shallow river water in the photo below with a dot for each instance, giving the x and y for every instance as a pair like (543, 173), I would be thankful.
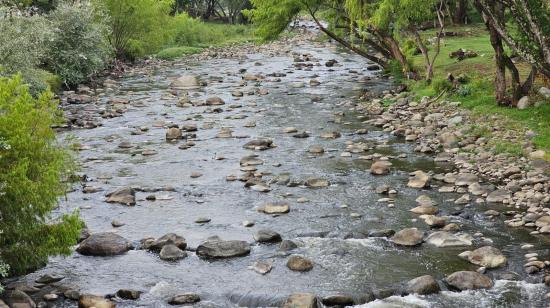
(324, 227)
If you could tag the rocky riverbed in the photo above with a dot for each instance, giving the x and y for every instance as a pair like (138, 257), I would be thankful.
(262, 176)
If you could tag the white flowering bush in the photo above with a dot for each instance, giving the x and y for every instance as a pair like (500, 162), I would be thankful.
(3, 273)
(23, 48)
(79, 48)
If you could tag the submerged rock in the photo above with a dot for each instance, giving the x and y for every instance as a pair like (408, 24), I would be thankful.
(183, 299)
(487, 256)
(380, 167)
(104, 244)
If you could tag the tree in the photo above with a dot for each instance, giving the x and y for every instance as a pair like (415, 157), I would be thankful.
(274, 16)
(388, 18)
(136, 25)
(32, 166)
(526, 34)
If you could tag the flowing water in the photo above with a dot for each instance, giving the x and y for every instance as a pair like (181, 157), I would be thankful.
(323, 228)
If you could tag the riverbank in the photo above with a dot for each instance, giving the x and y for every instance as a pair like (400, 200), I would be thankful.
(254, 176)
(476, 92)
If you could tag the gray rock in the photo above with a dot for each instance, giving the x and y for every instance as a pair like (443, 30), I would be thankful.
(183, 299)
(524, 103)
(287, 245)
(274, 208)
(173, 133)
(468, 280)
(90, 301)
(259, 144)
(408, 237)
(262, 267)
(104, 244)
(299, 264)
(487, 256)
(171, 252)
(317, 183)
(445, 239)
(124, 195)
(498, 196)
(418, 179)
(218, 248)
(49, 278)
(380, 167)
(301, 300)
(128, 294)
(169, 238)
(339, 300)
(267, 236)
(422, 285)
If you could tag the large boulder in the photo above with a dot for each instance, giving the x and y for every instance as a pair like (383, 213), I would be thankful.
(104, 244)
(301, 300)
(468, 280)
(422, 285)
(123, 195)
(446, 239)
(487, 256)
(94, 301)
(218, 248)
(418, 179)
(408, 237)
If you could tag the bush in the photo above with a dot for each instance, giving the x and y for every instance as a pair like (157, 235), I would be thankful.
(23, 48)
(4, 268)
(439, 85)
(32, 166)
(138, 27)
(79, 48)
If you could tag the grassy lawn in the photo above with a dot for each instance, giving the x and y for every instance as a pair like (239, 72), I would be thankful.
(478, 93)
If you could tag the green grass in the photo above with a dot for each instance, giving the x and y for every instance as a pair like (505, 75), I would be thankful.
(193, 36)
(177, 52)
(478, 93)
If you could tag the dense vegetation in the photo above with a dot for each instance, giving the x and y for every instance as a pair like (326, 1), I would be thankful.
(33, 167)
(61, 44)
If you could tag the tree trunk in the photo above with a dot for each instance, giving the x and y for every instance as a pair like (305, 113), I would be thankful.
(500, 60)
(460, 12)
(398, 55)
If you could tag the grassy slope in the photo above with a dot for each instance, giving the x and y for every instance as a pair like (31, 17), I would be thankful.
(210, 35)
(480, 70)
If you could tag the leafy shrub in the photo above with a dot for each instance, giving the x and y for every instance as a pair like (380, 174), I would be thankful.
(176, 52)
(32, 165)
(79, 48)
(440, 85)
(138, 27)
(465, 90)
(4, 268)
(23, 48)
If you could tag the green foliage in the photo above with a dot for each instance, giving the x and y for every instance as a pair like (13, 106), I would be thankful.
(79, 47)
(464, 90)
(23, 48)
(138, 27)
(32, 165)
(4, 268)
(394, 68)
(177, 52)
(440, 84)
(513, 149)
(273, 16)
